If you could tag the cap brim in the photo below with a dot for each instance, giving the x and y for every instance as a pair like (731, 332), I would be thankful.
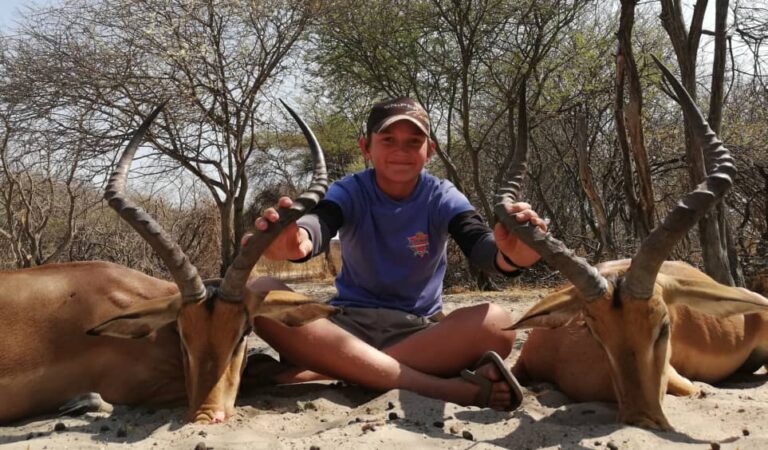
(390, 120)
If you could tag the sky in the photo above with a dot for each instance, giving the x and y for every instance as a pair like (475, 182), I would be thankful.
(7, 11)
(10, 8)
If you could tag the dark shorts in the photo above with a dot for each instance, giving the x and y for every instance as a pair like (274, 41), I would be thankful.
(379, 327)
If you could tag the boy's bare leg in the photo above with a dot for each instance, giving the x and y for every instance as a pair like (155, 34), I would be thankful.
(458, 341)
(419, 363)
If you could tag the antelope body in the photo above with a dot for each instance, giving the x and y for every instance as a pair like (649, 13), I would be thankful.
(47, 356)
(630, 330)
(704, 344)
(48, 359)
(71, 329)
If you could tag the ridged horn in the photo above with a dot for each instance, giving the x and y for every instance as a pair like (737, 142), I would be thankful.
(646, 263)
(584, 277)
(231, 287)
(183, 272)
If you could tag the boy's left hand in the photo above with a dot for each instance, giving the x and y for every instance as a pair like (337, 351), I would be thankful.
(509, 244)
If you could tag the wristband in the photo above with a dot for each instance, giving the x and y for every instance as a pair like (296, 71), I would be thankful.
(509, 261)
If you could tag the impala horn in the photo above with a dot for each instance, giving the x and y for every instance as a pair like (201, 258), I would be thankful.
(584, 277)
(231, 287)
(646, 263)
(183, 272)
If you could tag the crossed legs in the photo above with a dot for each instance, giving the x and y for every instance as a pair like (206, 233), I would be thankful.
(427, 362)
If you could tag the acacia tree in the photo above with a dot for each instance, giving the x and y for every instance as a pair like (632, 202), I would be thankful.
(464, 61)
(364, 51)
(526, 53)
(213, 60)
(40, 196)
(750, 24)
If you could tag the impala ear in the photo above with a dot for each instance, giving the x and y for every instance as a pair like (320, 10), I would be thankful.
(257, 289)
(292, 309)
(140, 320)
(553, 311)
(709, 296)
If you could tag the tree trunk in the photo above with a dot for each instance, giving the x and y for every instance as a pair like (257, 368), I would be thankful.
(225, 212)
(631, 138)
(715, 121)
(686, 45)
(238, 219)
(588, 185)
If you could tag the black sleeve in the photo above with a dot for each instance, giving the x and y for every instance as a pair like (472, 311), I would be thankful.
(475, 239)
(322, 224)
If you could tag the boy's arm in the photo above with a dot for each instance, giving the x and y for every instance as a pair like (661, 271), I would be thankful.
(497, 251)
(321, 225)
(291, 243)
(297, 243)
(515, 250)
(476, 241)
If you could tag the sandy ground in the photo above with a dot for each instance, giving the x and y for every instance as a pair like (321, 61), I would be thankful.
(334, 416)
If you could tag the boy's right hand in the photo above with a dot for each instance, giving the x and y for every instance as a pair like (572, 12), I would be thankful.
(292, 243)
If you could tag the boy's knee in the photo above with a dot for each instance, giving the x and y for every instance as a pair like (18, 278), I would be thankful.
(498, 317)
(496, 320)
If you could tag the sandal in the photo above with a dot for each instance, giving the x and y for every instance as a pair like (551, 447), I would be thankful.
(486, 385)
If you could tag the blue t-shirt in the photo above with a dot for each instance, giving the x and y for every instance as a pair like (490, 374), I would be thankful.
(394, 252)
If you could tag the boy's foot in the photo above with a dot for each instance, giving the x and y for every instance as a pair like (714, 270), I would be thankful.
(260, 371)
(489, 370)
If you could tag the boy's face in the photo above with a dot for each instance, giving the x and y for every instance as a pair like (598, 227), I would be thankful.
(398, 154)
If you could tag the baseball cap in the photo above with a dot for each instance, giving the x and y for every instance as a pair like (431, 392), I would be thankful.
(387, 112)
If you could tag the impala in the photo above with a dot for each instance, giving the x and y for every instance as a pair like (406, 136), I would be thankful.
(630, 330)
(96, 327)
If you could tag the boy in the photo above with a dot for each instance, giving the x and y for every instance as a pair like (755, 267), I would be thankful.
(394, 221)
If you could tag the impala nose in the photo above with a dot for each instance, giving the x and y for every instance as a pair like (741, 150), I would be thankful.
(208, 417)
(649, 422)
(218, 417)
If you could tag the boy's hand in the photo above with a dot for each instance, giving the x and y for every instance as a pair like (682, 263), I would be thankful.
(517, 251)
(292, 243)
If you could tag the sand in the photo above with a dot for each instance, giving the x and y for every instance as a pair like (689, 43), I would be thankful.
(336, 416)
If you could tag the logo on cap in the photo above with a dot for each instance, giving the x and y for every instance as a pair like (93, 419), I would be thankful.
(384, 114)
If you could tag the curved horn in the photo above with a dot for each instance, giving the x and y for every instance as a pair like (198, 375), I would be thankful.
(583, 276)
(183, 272)
(231, 287)
(655, 248)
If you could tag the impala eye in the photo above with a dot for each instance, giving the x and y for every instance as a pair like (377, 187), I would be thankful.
(663, 331)
(247, 329)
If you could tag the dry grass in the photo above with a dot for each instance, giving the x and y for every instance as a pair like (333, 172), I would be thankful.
(316, 269)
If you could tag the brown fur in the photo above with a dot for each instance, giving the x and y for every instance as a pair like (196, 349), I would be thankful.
(598, 351)
(48, 358)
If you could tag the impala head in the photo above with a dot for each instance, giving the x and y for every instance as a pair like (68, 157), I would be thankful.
(624, 304)
(212, 318)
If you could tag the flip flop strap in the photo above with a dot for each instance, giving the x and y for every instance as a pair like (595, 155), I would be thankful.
(486, 387)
